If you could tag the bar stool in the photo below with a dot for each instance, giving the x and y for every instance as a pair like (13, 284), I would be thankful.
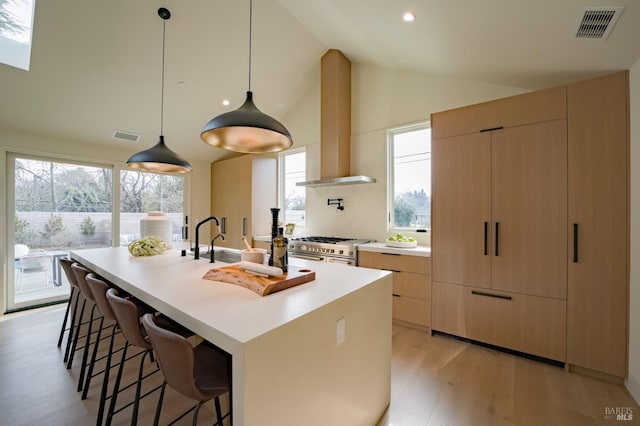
(127, 315)
(99, 290)
(80, 273)
(72, 306)
(201, 373)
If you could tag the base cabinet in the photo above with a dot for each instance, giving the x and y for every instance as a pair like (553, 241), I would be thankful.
(531, 324)
(411, 284)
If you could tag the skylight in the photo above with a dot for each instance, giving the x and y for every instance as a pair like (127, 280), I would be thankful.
(16, 23)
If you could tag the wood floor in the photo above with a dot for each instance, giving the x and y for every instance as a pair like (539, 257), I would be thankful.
(436, 380)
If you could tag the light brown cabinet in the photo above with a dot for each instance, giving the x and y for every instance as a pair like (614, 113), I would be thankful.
(599, 224)
(243, 189)
(411, 284)
(557, 290)
(499, 221)
(530, 324)
(500, 208)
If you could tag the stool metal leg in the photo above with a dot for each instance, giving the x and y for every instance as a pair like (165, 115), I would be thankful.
(116, 386)
(105, 378)
(77, 335)
(66, 316)
(87, 344)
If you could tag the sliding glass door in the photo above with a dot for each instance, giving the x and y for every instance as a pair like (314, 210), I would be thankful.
(56, 206)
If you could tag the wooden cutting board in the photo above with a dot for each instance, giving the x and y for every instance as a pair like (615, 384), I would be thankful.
(233, 274)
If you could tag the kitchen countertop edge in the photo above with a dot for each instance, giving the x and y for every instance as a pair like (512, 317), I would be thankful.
(423, 251)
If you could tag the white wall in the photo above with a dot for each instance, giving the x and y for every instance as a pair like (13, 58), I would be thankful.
(633, 381)
(198, 183)
(381, 98)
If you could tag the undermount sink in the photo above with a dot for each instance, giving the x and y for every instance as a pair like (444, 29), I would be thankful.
(221, 255)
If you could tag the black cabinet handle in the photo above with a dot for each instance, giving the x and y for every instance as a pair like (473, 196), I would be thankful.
(244, 226)
(575, 243)
(497, 236)
(391, 254)
(395, 295)
(497, 296)
(491, 129)
(486, 245)
(390, 270)
(223, 225)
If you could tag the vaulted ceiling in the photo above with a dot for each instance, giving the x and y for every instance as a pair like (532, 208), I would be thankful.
(96, 65)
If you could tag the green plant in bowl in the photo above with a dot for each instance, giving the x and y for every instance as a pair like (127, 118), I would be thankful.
(401, 238)
(147, 246)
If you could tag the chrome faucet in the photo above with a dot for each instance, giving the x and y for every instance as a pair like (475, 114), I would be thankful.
(196, 249)
(220, 234)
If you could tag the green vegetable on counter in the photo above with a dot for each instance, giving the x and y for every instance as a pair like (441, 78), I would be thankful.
(147, 246)
(401, 238)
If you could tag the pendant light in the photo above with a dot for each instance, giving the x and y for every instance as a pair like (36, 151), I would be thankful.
(159, 158)
(247, 129)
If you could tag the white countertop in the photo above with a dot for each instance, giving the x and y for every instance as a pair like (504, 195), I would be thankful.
(227, 314)
(423, 251)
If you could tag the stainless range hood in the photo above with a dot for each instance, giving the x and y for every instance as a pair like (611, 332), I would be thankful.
(335, 123)
(346, 180)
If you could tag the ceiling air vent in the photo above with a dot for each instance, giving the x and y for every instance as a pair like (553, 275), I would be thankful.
(126, 136)
(597, 22)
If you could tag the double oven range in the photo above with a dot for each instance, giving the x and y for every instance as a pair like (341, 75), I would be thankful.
(326, 249)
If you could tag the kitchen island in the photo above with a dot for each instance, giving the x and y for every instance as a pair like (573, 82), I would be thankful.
(289, 366)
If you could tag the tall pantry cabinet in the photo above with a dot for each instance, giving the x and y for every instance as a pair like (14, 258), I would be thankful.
(530, 223)
(598, 280)
(243, 190)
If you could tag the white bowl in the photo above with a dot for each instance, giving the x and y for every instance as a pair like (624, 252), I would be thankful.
(402, 244)
(255, 255)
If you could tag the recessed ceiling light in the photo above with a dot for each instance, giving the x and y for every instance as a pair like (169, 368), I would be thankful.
(408, 17)
(226, 102)
(181, 84)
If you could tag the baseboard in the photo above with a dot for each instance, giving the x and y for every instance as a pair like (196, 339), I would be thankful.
(595, 374)
(633, 386)
(411, 325)
(537, 358)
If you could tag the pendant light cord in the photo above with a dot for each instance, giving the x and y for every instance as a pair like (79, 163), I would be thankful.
(250, 24)
(164, 24)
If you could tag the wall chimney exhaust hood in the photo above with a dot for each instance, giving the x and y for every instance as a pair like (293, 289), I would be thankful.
(335, 123)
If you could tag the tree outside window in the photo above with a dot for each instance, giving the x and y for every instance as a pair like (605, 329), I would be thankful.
(409, 177)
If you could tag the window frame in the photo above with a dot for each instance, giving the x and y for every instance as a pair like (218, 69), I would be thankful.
(391, 133)
(8, 183)
(281, 185)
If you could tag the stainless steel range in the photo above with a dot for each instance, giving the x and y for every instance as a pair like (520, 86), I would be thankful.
(326, 249)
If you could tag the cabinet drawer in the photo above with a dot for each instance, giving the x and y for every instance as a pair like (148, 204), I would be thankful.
(530, 324)
(413, 285)
(412, 310)
(395, 262)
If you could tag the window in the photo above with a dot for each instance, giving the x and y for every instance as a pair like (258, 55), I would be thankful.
(292, 197)
(409, 186)
(16, 21)
(62, 205)
(141, 193)
(55, 206)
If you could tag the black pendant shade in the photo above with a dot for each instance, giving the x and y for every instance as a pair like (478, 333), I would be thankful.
(159, 158)
(247, 129)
